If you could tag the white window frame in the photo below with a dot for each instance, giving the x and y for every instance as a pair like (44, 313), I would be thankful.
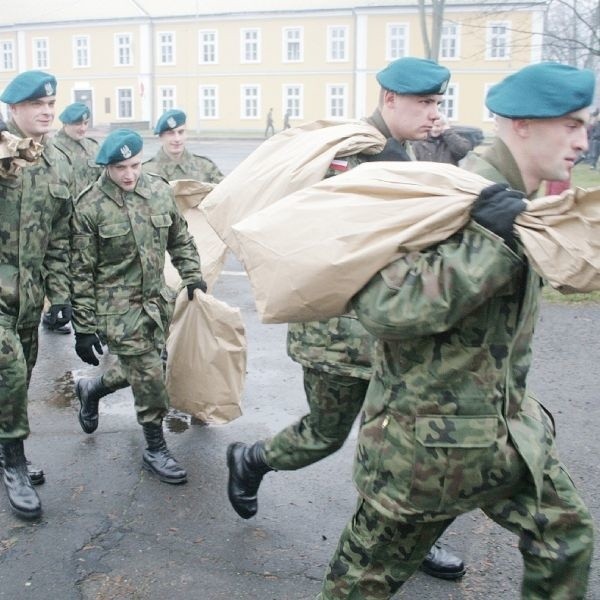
(286, 41)
(298, 112)
(337, 47)
(161, 45)
(451, 40)
(331, 88)
(167, 97)
(78, 51)
(202, 98)
(390, 52)
(7, 54)
(120, 46)
(244, 98)
(118, 115)
(246, 43)
(451, 98)
(488, 115)
(204, 44)
(491, 37)
(38, 52)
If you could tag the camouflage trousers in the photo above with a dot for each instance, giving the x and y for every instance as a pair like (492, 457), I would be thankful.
(376, 554)
(18, 353)
(334, 402)
(145, 374)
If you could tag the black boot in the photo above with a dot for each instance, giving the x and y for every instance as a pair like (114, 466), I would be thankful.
(22, 497)
(442, 564)
(247, 467)
(157, 459)
(35, 474)
(89, 392)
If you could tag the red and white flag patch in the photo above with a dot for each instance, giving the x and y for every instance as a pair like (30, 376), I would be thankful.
(339, 165)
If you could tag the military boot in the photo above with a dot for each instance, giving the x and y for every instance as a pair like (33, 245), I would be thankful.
(157, 459)
(35, 473)
(22, 497)
(247, 466)
(442, 564)
(89, 392)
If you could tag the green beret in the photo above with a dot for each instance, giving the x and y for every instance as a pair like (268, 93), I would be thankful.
(29, 85)
(542, 91)
(414, 76)
(118, 146)
(74, 113)
(169, 120)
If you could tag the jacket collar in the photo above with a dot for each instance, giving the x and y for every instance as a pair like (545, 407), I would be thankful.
(115, 193)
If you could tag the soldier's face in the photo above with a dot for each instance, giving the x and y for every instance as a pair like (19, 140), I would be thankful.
(77, 131)
(127, 172)
(173, 140)
(410, 117)
(35, 117)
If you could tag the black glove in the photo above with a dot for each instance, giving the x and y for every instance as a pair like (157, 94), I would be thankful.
(53, 318)
(85, 344)
(496, 209)
(393, 150)
(197, 285)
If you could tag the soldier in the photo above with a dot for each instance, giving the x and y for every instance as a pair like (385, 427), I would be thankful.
(448, 424)
(336, 354)
(173, 160)
(270, 128)
(122, 227)
(34, 261)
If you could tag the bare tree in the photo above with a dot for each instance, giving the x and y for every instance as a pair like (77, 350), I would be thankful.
(431, 40)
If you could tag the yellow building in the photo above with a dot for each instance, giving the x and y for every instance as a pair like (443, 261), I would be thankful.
(227, 64)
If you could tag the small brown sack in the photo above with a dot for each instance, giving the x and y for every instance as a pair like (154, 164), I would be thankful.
(206, 364)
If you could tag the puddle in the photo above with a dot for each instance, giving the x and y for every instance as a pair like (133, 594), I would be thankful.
(177, 422)
(63, 392)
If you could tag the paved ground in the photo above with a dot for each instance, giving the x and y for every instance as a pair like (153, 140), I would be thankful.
(112, 532)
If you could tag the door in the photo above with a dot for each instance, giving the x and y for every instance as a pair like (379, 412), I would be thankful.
(85, 96)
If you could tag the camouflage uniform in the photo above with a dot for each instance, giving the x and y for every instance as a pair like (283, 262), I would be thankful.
(336, 360)
(189, 166)
(119, 244)
(449, 424)
(81, 154)
(35, 209)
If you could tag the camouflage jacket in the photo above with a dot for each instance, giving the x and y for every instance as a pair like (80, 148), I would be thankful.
(339, 345)
(35, 209)
(81, 154)
(118, 257)
(189, 166)
(448, 424)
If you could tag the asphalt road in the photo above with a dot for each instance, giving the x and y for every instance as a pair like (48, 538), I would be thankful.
(110, 531)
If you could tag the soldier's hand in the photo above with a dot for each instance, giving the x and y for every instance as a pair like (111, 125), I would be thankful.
(496, 209)
(196, 285)
(85, 344)
(59, 315)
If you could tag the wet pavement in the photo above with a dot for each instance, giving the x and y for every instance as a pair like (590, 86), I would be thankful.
(111, 531)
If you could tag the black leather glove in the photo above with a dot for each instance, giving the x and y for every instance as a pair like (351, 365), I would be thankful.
(196, 285)
(85, 344)
(496, 209)
(393, 150)
(58, 315)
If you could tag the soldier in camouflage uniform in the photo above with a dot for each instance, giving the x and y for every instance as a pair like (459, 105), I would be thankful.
(448, 423)
(122, 227)
(35, 209)
(173, 160)
(336, 354)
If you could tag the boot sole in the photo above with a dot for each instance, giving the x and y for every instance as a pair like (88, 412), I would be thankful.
(449, 576)
(162, 478)
(86, 428)
(23, 514)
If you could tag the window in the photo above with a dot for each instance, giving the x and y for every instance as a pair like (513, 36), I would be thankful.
(396, 40)
(40, 53)
(166, 98)
(336, 101)
(498, 41)
(337, 43)
(123, 51)
(250, 46)
(81, 51)
(124, 103)
(250, 102)
(208, 47)
(7, 55)
(166, 48)
(292, 45)
(449, 41)
(208, 102)
(449, 105)
(292, 101)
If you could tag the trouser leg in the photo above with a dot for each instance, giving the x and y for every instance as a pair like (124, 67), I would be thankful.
(334, 402)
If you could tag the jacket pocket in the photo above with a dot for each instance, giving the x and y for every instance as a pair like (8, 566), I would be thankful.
(116, 242)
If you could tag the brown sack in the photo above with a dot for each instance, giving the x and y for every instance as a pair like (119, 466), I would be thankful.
(206, 363)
